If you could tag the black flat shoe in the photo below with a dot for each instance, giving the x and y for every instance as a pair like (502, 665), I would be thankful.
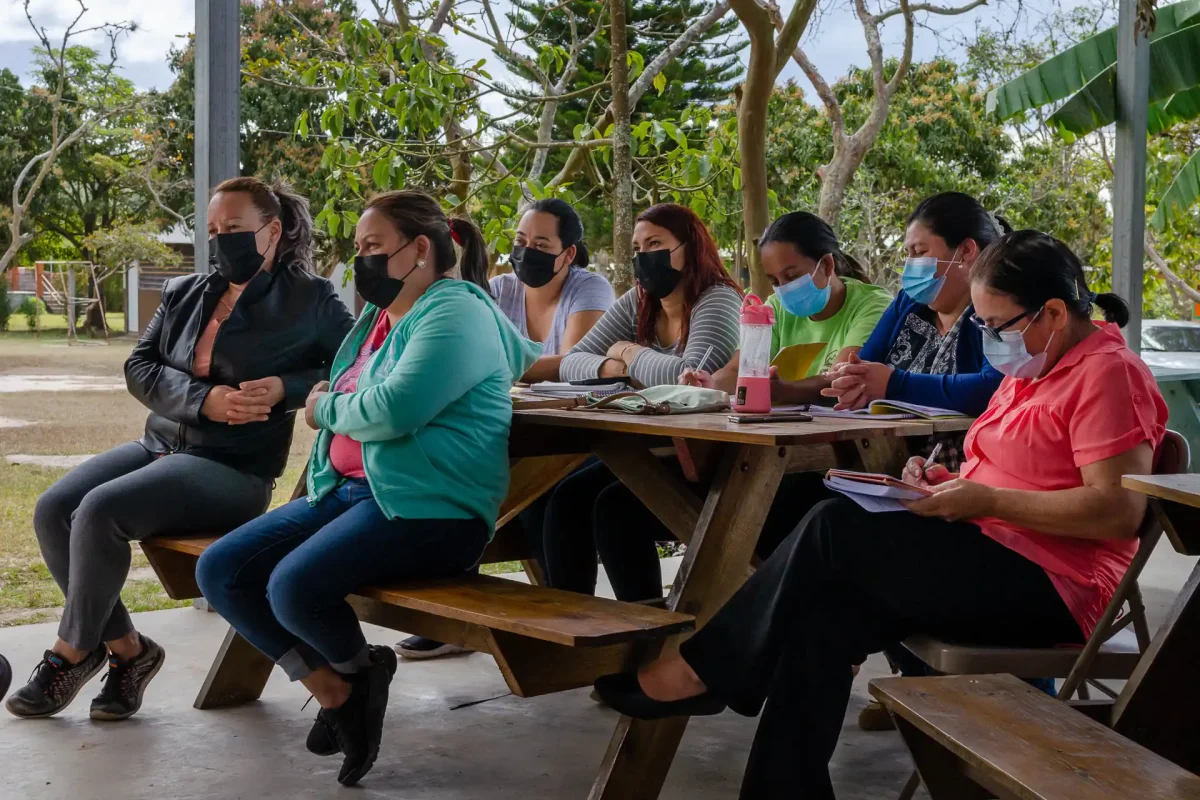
(623, 693)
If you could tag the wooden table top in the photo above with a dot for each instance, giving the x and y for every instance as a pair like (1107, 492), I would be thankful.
(716, 427)
(1182, 489)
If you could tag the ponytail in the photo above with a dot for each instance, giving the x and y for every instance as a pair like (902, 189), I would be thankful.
(1115, 309)
(296, 241)
(279, 201)
(847, 266)
(581, 255)
(473, 264)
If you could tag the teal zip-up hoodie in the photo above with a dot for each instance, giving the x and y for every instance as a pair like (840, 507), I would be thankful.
(432, 408)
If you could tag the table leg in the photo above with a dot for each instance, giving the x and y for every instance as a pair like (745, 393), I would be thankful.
(238, 674)
(716, 564)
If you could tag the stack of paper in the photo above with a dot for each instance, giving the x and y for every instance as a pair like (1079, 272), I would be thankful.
(875, 493)
(562, 389)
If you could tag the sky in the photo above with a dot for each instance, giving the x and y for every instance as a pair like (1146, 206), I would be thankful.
(835, 44)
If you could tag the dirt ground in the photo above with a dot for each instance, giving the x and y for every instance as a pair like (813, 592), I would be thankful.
(69, 423)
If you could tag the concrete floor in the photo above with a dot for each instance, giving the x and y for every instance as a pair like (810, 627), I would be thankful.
(503, 749)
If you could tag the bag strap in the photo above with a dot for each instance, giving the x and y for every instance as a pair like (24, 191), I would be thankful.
(648, 407)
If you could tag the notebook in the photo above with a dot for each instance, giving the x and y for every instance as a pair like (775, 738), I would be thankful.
(793, 361)
(873, 492)
(890, 409)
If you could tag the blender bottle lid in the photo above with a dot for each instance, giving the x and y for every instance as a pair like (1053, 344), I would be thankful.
(755, 312)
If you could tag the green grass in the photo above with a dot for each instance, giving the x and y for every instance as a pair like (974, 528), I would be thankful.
(52, 323)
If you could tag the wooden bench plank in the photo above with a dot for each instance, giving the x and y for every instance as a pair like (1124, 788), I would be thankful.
(550, 615)
(1021, 743)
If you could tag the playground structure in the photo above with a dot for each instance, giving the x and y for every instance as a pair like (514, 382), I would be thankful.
(54, 283)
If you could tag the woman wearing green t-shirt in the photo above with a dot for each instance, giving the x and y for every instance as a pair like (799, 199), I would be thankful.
(821, 297)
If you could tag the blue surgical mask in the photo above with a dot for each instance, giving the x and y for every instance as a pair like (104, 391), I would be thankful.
(802, 298)
(1010, 356)
(920, 280)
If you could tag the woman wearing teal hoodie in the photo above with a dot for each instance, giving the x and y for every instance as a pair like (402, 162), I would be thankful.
(405, 479)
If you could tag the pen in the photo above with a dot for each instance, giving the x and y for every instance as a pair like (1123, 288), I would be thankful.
(704, 360)
(929, 462)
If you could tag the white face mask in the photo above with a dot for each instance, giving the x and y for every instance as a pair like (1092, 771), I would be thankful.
(1011, 357)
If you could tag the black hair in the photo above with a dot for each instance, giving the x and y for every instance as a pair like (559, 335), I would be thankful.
(417, 214)
(570, 226)
(956, 217)
(278, 200)
(813, 237)
(1033, 267)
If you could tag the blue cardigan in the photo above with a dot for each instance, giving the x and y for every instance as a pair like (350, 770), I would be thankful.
(969, 390)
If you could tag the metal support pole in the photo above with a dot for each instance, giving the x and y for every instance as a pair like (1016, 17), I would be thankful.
(1129, 168)
(218, 84)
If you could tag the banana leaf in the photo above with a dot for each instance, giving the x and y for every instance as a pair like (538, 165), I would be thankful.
(1180, 108)
(1059, 77)
(1174, 68)
(1181, 195)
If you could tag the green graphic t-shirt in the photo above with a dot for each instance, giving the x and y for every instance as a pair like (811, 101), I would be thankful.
(850, 327)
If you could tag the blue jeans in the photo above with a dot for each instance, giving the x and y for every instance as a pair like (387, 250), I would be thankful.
(281, 580)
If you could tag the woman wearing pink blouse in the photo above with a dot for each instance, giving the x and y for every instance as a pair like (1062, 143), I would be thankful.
(1024, 547)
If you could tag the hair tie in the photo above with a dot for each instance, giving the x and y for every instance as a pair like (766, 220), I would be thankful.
(996, 223)
(454, 231)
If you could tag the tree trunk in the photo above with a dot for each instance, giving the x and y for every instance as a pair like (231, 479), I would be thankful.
(622, 193)
(752, 145)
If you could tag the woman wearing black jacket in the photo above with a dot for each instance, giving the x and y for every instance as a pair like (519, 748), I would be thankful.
(223, 366)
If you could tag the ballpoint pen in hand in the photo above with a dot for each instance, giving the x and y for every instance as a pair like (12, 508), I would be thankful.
(704, 360)
(933, 457)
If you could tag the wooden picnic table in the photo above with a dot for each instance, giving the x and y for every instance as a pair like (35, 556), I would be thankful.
(1160, 707)
(745, 462)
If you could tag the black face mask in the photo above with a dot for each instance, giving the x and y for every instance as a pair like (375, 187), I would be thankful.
(372, 282)
(653, 271)
(534, 267)
(235, 255)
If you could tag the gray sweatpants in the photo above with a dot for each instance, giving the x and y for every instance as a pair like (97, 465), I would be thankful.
(86, 520)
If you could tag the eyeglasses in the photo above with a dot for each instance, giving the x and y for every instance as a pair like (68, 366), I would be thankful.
(995, 332)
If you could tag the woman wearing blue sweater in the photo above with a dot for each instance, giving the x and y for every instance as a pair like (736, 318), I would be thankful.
(924, 350)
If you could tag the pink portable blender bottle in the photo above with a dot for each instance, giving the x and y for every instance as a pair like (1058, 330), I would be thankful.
(754, 367)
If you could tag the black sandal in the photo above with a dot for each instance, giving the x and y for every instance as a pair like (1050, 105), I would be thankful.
(622, 692)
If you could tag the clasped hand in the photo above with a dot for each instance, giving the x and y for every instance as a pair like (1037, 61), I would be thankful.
(310, 404)
(251, 401)
(953, 498)
(856, 383)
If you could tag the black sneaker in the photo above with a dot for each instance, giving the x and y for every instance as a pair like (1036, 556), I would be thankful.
(415, 648)
(321, 741)
(357, 724)
(126, 681)
(54, 684)
(5, 676)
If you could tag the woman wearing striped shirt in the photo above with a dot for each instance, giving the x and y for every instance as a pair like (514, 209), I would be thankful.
(684, 303)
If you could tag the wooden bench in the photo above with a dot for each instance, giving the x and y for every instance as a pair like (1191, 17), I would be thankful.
(544, 640)
(982, 736)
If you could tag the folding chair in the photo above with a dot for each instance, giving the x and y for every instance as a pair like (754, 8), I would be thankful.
(1111, 652)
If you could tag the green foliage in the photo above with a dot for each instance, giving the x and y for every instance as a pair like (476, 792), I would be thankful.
(32, 308)
(121, 245)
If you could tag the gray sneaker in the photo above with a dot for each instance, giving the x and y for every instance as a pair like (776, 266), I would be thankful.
(54, 684)
(126, 682)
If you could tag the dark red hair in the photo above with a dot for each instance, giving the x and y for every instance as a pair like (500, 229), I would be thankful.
(702, 268)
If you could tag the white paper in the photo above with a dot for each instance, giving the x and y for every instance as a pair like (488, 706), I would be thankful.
(862, 413)
(876, 498)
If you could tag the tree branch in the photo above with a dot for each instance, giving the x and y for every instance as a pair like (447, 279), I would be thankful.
(792, 30)
(672, 51)
(945, 11)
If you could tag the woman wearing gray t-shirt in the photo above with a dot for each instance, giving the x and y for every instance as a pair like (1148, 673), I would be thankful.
(550, 296)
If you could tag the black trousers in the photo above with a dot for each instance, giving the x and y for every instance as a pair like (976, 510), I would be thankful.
(590, 512)
(843, 585)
